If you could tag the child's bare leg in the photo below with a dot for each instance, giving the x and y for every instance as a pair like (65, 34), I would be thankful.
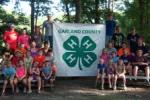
(25, 85)
(4, 86)
(102, 81)
(115, 82)
(42, 85)
(124, 81)
(15, 85)
(97, 80)
(135, 70)
(130, 69)
(147, 73)
(12, 85)
(39, 84)
(109, 81)
(29, 84)
(51, 82)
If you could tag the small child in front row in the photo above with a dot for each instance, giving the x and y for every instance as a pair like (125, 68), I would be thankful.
(120, 73)
(110, 72)
(101, 73)
(9, 73)
(21, 76)
(47, 73)
(34, 75)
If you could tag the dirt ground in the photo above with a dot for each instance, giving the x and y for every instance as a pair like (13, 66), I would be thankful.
(83, 89)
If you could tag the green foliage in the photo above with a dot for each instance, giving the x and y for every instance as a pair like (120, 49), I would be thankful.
(19, 19)
(88, 11)
(42, 7)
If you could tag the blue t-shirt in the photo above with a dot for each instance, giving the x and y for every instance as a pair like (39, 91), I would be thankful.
(9, 71)
(126, 59)
(115, 59)
(101, 66)
(110, 27)
(46, 70)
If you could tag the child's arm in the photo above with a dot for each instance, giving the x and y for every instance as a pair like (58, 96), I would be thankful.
(43, 75)
(37, 72)
(98, 73)
(50, 74)
(123, 72)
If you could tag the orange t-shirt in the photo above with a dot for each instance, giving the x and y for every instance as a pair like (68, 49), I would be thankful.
(40, 60)
(122, 50)
(23, 51)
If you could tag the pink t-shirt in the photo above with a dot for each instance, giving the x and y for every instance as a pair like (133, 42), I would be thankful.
(24, 39)
(105, 57)
(20, 72)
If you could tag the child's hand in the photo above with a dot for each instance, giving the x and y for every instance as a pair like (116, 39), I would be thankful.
(142, 63)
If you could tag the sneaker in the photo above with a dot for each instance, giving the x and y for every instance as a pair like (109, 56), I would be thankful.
(39, 91)
(30, 91)
(110, 86)
(17, 90)
(124, 88)
(24, 90)
(114, 88)
(102, 88)
(3, 94)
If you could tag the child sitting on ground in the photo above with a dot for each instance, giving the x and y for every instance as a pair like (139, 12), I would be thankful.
(120, 73)
(9, 73)
(21, 76)
(34, 75)
(47, 74)
(101, 73)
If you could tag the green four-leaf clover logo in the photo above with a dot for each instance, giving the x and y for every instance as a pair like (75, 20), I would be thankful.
(79, 52)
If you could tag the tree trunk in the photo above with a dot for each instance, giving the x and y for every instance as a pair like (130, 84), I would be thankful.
(109, 3)
(67, 11)
(148, 15)
(97, 12)
(37, 12)
(142, 17)
(78, 11)
(32, 16)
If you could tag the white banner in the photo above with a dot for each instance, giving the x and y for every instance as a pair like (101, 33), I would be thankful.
(77, 47)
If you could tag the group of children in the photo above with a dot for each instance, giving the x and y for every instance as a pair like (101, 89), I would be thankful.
(113, 67)
(27, 64)
(122, 57)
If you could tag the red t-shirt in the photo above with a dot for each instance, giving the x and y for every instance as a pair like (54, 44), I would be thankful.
(40, 60)
(15, 60)
(24, 39)
(10, 37)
